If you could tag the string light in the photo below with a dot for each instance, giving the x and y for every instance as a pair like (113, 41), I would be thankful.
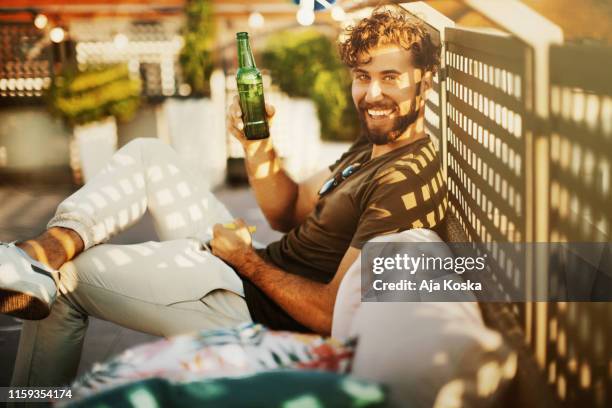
(41, 21)
(256, 20)
(121, 41)
(305, 16)
(56, 34)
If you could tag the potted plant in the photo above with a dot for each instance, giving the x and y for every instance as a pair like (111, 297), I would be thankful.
(196, 119)
(305, 64)
(91, 101)
(196, 56)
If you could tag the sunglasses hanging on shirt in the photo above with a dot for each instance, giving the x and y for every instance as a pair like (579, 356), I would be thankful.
(338, 178)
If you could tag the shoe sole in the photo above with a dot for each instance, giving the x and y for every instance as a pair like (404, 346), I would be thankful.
(22, 305)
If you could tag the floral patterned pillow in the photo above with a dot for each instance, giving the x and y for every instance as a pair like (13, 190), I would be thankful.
(245, 349)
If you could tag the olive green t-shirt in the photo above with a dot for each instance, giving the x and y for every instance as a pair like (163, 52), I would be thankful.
(399, 190)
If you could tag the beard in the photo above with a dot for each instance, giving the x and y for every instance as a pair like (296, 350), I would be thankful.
(390, 128)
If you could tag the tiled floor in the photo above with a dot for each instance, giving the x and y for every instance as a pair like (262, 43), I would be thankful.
(24, 211)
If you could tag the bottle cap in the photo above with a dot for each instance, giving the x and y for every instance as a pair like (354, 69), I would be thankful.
(242, 35)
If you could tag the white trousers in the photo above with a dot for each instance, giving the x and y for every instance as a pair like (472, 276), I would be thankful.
(161, 288)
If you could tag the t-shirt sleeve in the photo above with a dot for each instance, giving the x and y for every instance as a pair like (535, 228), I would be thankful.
(360, 143)
(398, 200)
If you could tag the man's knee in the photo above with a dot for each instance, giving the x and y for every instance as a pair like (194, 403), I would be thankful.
(72, 276)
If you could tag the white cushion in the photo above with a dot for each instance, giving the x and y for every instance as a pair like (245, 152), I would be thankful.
(348, 298)
(428, 354)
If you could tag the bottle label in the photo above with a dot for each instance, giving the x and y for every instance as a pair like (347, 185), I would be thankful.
(253, 110)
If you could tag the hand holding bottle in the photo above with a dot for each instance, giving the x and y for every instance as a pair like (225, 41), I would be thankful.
(235, 124)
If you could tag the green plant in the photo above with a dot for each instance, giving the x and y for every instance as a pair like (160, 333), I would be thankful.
(80, 97)
(198, 35)
(306, 64)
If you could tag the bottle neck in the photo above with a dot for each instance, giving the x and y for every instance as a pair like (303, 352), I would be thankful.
(245, 56)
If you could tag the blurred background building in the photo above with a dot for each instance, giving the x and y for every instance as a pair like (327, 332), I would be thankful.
(173, 47)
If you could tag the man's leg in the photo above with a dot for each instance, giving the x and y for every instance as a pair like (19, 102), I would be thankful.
(144, 175)
(158, 288)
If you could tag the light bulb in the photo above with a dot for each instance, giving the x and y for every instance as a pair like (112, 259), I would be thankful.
(56, 34)
(305, 16)
(41, 21)
(120, 40)
(256, 20)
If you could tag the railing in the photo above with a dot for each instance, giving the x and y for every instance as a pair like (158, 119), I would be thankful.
(486, 172)
(580, 144)
(494, 140)
(492, 168)
(527, 148)
(25, 62)
(433, 112)
(578, 353)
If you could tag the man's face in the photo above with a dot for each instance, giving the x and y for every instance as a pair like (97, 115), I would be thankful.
(385, 92)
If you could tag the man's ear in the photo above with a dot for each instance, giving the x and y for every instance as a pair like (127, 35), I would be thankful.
(426, 83)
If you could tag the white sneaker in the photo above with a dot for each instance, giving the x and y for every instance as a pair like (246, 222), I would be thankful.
(27, 287)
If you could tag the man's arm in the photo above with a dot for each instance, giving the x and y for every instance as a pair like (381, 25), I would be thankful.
(310, 303)
(284, 202)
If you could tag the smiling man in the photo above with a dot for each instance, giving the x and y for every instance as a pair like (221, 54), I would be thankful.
(388, 181)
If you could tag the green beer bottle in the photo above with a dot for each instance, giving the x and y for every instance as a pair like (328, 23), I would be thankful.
(250, 91)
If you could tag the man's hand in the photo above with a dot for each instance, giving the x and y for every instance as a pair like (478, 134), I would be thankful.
(232, 244)
(283, 201)
(235, 124)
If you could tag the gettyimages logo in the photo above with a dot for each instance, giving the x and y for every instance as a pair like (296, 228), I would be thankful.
(487, 272)
(413, 264)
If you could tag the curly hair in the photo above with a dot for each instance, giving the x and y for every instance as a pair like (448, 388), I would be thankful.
(390, 26)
